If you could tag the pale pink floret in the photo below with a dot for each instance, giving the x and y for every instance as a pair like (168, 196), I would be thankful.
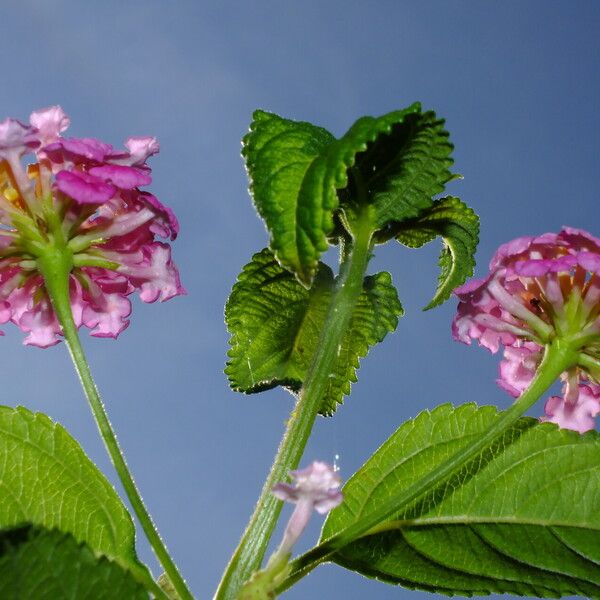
(318, 483)
(314, 488)
(521, 305)
(49, 123)
(112, 227)
(579, 415)
(518, 367)
(16, 139)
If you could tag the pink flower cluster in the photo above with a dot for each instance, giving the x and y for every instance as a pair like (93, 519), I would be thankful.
(81, 196)
(538, 289)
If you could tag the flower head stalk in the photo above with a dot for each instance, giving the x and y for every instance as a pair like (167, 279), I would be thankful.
(80, 199)
(541, 290)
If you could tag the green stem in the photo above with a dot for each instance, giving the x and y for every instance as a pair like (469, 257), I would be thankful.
(55, 266)
(250, 552)
(558, 357)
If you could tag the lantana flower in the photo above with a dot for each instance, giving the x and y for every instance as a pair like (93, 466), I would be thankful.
(79, 198)
(314, 488)
(541, 289)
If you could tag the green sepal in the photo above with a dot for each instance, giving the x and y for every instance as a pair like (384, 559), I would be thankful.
(521, 518)
(275, 325)
(41, 564)
(458, 226)
(47, 480)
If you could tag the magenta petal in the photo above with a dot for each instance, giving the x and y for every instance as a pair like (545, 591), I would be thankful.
(84, 188)
(125, 178)
(589, 261)
(512, 248)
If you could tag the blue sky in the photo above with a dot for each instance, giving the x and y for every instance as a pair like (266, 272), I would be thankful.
(518, 84)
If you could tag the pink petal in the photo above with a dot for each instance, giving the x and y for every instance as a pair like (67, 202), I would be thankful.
(166, 224)
(78, 150)
(50, 123)
(589, 261)
(579, 416)
(15, 138)
(123, 177)
(518, 367)
(84, 188)
(141, 148)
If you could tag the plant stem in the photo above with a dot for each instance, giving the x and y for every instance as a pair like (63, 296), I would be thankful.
(558, 357)
(250, 552)
(55, 267)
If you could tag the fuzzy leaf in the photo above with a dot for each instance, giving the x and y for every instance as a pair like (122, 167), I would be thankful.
(278, 154)
(39, 564)
(523, 518)
(276, 323)
(47, 480)
(458, 226)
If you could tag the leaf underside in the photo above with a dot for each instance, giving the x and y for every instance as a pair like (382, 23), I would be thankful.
(458, 226)
(402, 167)
(41, 564)
(47, 480)
(523, 518)
(276, 324)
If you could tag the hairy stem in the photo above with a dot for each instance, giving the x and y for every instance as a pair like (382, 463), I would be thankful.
(558, 357)
(250, 552)
(55, 267)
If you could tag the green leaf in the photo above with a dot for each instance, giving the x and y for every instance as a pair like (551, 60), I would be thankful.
(458, 227)
(403, 167)
(47, 480)
(523, 518)
(278, 154)
(300, 174)
(276, 324)
(39, 564)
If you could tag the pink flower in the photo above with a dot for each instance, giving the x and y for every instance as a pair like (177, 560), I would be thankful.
(314, 488)
(578, 415)
(80, 197)
(538, 289)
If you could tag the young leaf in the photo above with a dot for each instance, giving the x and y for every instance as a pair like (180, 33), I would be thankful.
(276, 323)
(41, 564)
(351, 154)
(47, 480)
(458, 227)
(404, 166)
(278, 154)
(299, 173)
(523, 518)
